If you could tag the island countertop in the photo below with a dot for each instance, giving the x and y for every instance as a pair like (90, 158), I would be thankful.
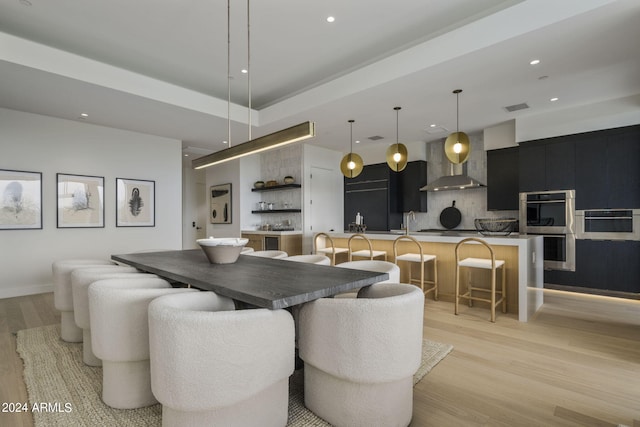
(523, 255)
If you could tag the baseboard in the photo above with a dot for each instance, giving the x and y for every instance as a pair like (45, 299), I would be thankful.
(25, 290)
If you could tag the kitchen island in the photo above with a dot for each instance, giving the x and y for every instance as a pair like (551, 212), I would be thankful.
(523, 255)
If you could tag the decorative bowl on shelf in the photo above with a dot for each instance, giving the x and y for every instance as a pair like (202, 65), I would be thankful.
(289, 179)
(272, 183)
(258, 184)
(496, 226)
(224, 250)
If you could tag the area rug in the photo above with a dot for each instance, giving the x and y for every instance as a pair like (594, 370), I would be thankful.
(63, 391)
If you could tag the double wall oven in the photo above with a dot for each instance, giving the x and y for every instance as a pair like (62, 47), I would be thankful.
(552, 214)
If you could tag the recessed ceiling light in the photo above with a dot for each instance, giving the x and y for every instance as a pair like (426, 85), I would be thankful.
(244, 71)
(535, 62)
(358, 142)
(330, 19)
(432, 125)
(553, 99)
(224, 142)
(84, 114)
(186, 155)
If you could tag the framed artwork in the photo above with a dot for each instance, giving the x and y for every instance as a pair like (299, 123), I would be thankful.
(220, 212)
(80, 201)
(20, 200)
(135, 203)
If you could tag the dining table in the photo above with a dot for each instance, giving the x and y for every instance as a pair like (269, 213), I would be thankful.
(252, 281)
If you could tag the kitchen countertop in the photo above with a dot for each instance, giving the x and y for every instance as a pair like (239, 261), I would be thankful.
(451, 236)
(273, 233)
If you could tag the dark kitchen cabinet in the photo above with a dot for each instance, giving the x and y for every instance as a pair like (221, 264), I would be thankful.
(623, 168)
(374, 195)
(531, 160)
(503, 179)
(608, 265)
(607, 169)
(547, 164)
(591, 173)
(410, 180)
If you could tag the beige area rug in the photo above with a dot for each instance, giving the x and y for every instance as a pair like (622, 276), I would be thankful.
(65, 392)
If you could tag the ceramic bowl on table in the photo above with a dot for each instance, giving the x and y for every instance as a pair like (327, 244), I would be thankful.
(224, 250)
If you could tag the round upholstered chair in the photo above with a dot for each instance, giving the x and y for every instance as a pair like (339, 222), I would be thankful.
(81, 278)
(120, 325)
(360, 355)
(371, 265)
(310, 259)
(268, 254)
(63, 296)
(213, 365)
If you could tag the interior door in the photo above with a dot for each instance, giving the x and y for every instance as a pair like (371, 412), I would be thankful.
(202, 211)
(325, 204)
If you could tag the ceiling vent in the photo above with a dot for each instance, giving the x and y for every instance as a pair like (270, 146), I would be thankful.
(516, 107)
(375, 137)
(436, 129)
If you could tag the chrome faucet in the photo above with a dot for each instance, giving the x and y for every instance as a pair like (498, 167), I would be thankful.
(408, 216)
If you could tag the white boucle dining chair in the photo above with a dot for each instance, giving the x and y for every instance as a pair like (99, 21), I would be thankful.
(310, 259)
(81, 278)
(120, 323)
(268, 254)
(63, 296)
(360, 355)
(212, 365)
(371, 265)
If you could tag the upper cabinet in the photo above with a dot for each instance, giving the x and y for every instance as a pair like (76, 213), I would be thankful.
(372, 194)
(503, 179)
(608, 169)
(410, 180)
(547, 164)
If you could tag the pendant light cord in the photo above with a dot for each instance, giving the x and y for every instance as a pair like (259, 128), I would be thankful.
(249, 63)
(228, 73)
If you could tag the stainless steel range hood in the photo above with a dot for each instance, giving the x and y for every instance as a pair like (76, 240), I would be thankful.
(453, 181)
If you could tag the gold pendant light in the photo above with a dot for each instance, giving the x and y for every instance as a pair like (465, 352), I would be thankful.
(351, 164)
(456, 146)
(397, 153)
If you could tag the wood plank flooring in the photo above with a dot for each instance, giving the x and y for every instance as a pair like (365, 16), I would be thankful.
(577, 363)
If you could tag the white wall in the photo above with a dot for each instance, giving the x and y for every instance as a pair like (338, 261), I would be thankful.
(37, 143)
(225, 173)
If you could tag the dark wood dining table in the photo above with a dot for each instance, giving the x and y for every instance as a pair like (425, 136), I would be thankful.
(261, 282)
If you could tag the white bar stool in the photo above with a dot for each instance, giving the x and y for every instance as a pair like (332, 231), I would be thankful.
(364, 253)
(422, 259)
(488, 264)
(330, 249)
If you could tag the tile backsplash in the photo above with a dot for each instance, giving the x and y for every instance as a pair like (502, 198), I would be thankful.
(472, 203)
(275, 165)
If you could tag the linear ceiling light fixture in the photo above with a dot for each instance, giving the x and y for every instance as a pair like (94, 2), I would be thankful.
(397, 153)
(456, 146)
(281, 138)
(351, 164)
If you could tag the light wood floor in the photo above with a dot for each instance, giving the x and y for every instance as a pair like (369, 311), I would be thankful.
(577, 363)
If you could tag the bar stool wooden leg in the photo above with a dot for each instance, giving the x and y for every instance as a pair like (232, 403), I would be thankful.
(422, 275)
(493, 295)
(469, 288)
(435, 279)
(504, 288)
(457, 288)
